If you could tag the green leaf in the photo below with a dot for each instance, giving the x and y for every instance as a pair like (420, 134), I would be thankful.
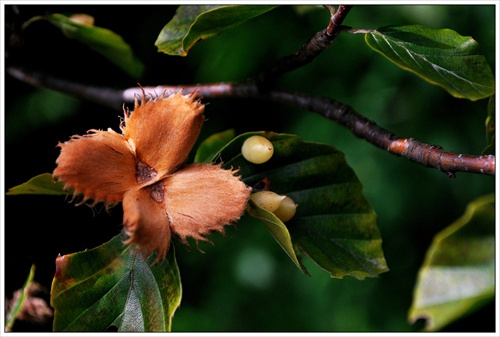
(334, 225)
(102, 40)
(191, 24)
(458, 274)
(440, 56)
(212, 145)
(490, 128)
(112, 286)
(17, 306)
(41, 184)
(278, 230)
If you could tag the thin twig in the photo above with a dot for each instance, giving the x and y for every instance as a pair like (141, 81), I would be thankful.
(307, 53)
(356, 30)
(336, 20)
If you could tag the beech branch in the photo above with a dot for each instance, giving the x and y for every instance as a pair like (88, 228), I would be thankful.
(419, 152)
(309, 50)
(261, 87)
(425, 154)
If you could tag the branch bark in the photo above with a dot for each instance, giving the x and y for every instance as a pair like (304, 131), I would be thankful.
(261, 88)
(425, 154)
(308, 52)
(104, 96)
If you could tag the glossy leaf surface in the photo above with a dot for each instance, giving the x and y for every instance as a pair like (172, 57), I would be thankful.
(194, 23)
(440, 56)
(334, 225)
(458, 274)
(110, 286)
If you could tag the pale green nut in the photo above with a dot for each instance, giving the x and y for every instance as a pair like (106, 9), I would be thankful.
(257, 149)
(267, 200)
(286, 210)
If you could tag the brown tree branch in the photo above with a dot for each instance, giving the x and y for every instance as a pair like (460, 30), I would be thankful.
(260, 88)
(412, 149)
(422, 153)
(308, 52)
(104, 96)
(337, 17)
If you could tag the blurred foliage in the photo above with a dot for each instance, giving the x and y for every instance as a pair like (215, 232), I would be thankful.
(14, 309)
(459, 270)
(245, 282)
(490, 127)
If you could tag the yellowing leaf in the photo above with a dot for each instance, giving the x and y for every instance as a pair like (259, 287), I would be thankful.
(458, 275)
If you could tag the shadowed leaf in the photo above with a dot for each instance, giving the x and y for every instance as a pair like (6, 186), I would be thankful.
(212, 145)
(334, 225)
(102, 40)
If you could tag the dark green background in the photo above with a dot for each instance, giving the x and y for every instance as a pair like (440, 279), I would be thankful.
(245, 282)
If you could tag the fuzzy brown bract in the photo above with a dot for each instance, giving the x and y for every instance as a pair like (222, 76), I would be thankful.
(142, 168)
